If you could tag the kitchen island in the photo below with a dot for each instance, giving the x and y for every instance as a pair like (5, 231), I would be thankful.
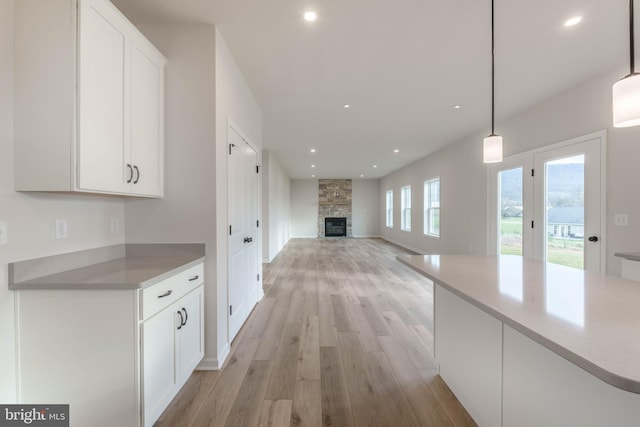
(522, 342)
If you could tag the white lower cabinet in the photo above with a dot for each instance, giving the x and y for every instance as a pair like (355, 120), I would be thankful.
(172, 347)
(116, 356)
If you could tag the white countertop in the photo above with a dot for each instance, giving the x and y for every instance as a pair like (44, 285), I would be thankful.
(589, 319)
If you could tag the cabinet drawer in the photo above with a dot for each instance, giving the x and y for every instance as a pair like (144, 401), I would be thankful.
(162, 294)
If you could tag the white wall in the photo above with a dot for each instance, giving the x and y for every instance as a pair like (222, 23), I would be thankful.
(276, 203)
(187, 212)
(364, 207)
(304, 208)
(235, 103)
(31, 216)
(581, 110)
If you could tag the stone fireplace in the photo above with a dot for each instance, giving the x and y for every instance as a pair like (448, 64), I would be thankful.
(334, 202)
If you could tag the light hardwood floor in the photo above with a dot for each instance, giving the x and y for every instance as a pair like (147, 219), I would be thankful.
(343, 337)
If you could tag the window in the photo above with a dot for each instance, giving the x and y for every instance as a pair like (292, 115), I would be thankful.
(390, 208)
(432, 207)
(405, 206)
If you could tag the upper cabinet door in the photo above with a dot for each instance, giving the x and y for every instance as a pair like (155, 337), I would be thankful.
(147, 110)
(103, 107)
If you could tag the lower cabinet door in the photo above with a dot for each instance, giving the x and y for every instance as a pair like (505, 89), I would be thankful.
(190, 336)
(160, 379)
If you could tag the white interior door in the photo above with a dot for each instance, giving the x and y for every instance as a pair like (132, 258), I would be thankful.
(243, 227)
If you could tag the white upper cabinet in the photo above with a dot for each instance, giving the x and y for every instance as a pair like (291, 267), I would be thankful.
(88, 101)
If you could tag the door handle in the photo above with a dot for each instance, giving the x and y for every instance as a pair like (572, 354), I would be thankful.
(593, 238)
(186, 316)
(181, 319)
(137, 174)
(166, 294)
(130, 174)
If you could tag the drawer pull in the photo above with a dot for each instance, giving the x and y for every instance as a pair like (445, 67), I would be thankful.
(166, 294)
(194, 278)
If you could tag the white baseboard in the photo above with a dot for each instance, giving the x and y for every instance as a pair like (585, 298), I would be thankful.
(214, 364)
(367, 236)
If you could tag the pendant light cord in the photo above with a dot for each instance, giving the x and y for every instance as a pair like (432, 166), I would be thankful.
(632, 49)
(493, 73)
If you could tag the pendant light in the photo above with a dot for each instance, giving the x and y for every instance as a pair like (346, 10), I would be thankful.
(626, 92)
(492, 150)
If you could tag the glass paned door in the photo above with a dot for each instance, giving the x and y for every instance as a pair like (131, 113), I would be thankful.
(564, 203)
(511, 212)
(568, 205)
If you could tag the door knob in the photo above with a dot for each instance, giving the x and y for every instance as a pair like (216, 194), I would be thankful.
(593, 238)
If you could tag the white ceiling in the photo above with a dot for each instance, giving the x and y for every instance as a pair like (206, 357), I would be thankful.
(402, 65)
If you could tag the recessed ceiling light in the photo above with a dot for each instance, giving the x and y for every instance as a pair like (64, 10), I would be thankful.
(572, 21)
(396, 151)
(313, 166)
(361, 176)
(457, 107)
(375, 166)
(313, 176)
(347, 106)
(310, 16)
(313, 150)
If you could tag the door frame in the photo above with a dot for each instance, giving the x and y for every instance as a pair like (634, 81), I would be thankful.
(231, 125)
(516, 159)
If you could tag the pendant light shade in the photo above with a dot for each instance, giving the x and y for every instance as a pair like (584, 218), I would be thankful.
(492, 148)
(626, 102)
(626, 92)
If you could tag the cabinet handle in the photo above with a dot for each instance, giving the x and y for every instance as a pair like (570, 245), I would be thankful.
(181, 320)
(130, 174)
(185, 316)
(166, 294)
(194, 278)
(137, 174)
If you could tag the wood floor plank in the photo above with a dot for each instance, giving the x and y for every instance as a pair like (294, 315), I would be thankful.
(361, 325)
(308, 367)
(296, 307)
(213, 408)
(343, 321)
(247, 406)
(307, 404)
(450, 403)
(283, 376)
(275, 413)
(327, 324)
(336, 406)
(418, 353)
(424, 404)
(424, 336)
(395, 405)
(258, 321)
(362, 393)
(272, 332)
(376, 320)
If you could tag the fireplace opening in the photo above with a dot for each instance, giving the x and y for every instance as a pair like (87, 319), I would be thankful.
(335, 227)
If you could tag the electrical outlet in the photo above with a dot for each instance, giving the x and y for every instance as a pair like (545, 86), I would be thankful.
(621, 220)
(115, 226)
(4, 239)
(62, 229)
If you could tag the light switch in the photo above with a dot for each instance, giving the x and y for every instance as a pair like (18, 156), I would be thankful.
(62, 229)
(621, 220)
